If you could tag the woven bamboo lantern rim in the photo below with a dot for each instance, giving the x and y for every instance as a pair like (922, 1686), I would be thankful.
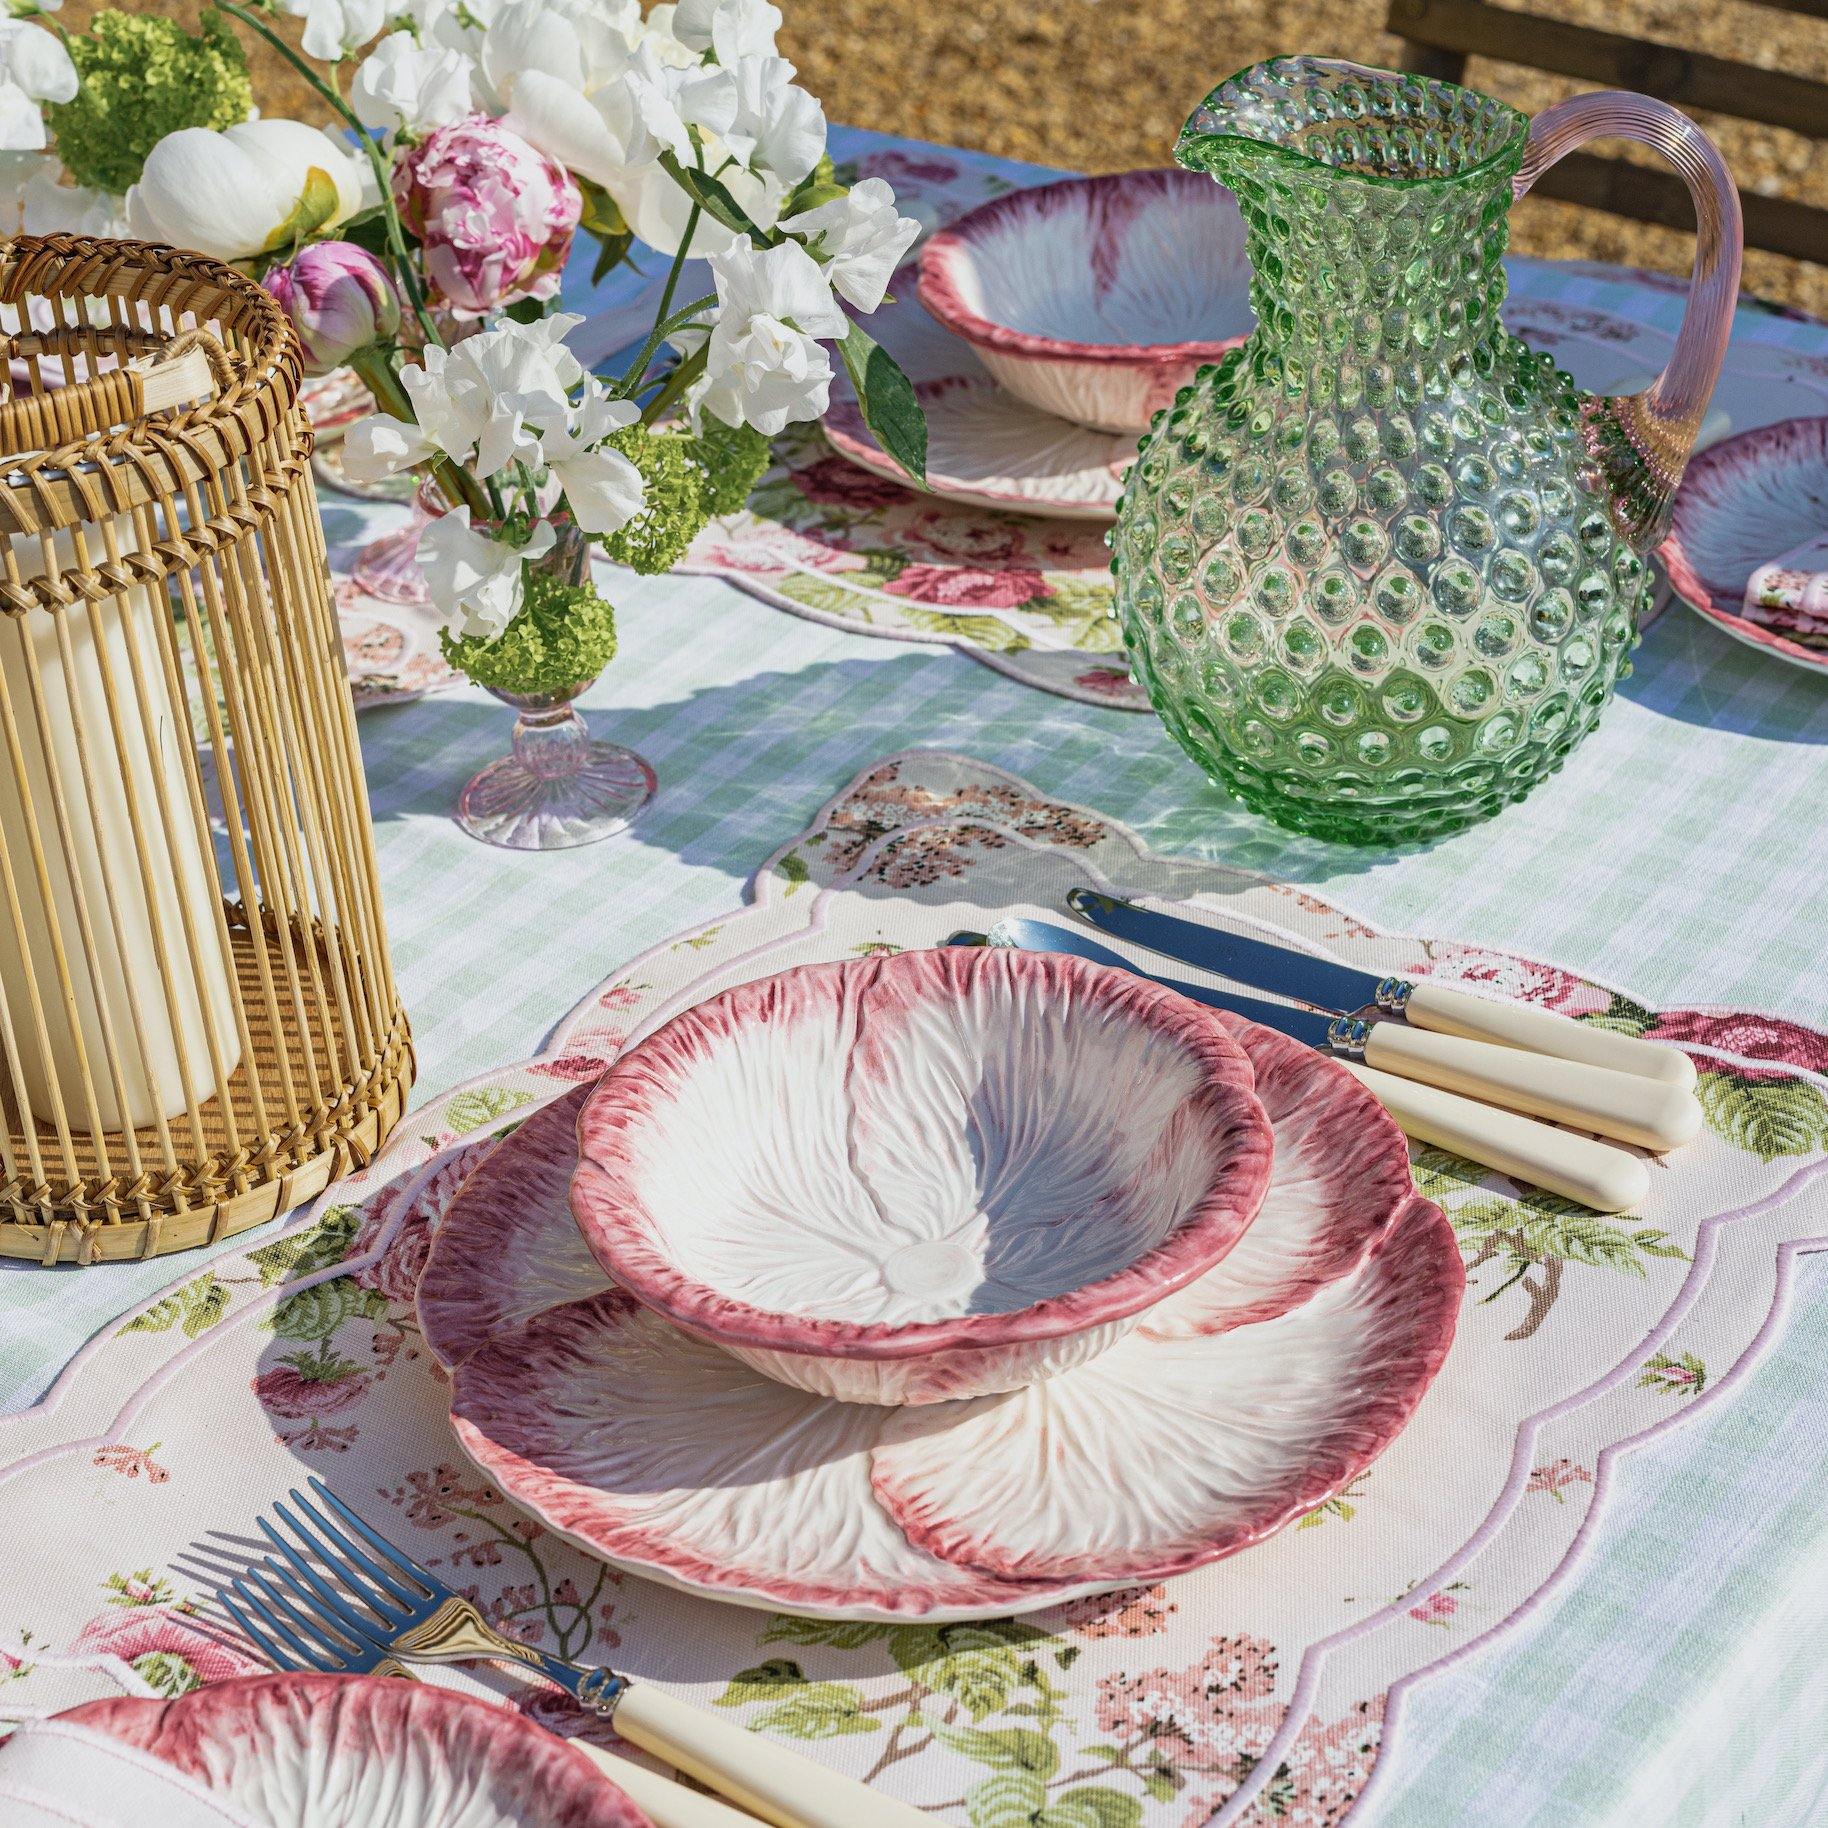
(201, 1028)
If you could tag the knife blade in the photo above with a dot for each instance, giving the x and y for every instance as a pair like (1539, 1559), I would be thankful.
(1590, 1172)
(1626, 1106)
(1283, 971)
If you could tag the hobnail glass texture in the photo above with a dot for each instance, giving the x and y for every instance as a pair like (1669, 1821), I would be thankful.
(1367, 567)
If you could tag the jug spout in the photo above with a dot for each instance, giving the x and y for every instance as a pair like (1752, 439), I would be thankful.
(1328, 115)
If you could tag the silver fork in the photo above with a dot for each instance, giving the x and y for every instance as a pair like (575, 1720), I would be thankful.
(409, 1612)
(315, 1629)
(397, 1607)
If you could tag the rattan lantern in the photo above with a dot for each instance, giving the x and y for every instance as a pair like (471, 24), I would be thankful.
(198, 1022)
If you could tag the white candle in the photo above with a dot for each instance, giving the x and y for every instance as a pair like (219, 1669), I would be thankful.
(184, 993)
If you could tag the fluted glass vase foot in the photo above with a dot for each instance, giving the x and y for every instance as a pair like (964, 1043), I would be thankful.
(559, 788)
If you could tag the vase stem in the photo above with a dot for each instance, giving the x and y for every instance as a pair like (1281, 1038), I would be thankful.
(560, 788)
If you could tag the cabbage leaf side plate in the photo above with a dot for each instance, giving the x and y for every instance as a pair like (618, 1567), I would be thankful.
(1260, 1390)
(341, 1752)
(1274, 1681)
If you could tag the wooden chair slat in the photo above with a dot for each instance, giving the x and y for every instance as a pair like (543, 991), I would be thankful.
(1690, 78)
(1779, 225)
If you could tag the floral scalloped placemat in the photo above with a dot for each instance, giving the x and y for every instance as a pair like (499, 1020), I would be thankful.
(1262, 1690)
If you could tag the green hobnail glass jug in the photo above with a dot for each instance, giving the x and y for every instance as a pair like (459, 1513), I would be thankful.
(1381, 568)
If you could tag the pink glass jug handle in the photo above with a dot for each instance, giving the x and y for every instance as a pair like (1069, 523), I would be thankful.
(1642, 441)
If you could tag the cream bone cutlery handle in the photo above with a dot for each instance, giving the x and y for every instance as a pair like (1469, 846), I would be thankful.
(1578, 1168)
(1648, 1112)
(1542, 1031)
(764, 1776)
(664, 1803)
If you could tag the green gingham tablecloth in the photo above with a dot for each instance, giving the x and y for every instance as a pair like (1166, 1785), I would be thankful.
(1678, 1678)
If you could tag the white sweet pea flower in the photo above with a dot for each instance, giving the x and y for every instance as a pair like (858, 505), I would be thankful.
(604, 488)
(253, 187)
(334, 28)
(411, 88)
(669, 101)
(381, 446)
(34, 69)
(764, 364)
(779, 130)
(492, 397)
(730, 28)
(860, 238)
(474, 580)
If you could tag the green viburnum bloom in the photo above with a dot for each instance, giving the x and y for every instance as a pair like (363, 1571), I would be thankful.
(733, 458)
(656, 539)
(564, 635)
(141, 77)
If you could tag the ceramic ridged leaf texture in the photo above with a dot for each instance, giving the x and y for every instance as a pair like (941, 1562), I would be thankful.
(1340, 1179)
(1094, 299)
(667, 1455)
(1164, 1454)
(311, 1751)
(935, 1175)
(1381, 568)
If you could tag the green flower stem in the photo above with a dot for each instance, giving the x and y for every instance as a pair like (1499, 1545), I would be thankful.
(374, 365)
(396, 234)
(637, 376)
(675, 384)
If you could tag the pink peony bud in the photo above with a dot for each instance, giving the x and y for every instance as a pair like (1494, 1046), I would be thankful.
(339, 298)
(495, 215)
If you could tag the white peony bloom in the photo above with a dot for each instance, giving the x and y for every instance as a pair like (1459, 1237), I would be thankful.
(334, 28)
(408, 87)
(255, 186)
(861, 239)
(475, 581)
(668, 101)
(779, 130)
(660, 37)
(574, 44)
(730, 28)
(34, 69)
(764, 364)
(34, 201)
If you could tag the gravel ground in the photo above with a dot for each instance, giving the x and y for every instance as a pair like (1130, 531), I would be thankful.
(1103, 85)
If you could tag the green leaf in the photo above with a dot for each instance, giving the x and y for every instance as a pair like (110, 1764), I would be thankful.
(1092, 1807)
(1162, 1785)
(1766, 1117)
(715, 200)
(763, 1682)
(841, 1634)
(817, 1710)
(317, 1247)
(1012, 1748)
(471, 1110)
(1009, 1799)
(792, 869)
(194, 1309)
(316, 1312)
(886, 397)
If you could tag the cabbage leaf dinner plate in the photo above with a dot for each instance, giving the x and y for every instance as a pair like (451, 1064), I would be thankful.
(1238, 1404)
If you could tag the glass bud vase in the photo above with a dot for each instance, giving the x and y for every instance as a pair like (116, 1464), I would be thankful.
(1381, 568)
(560, 787)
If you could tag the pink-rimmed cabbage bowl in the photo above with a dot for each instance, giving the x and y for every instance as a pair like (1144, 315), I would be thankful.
(1096, 299)
(915, 1178)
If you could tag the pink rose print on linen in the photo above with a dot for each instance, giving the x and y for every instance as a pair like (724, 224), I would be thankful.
(165, 1648)
(1521, 980)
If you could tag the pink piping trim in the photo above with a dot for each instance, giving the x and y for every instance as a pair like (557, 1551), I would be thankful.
(617, 1228)
(940, 264)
